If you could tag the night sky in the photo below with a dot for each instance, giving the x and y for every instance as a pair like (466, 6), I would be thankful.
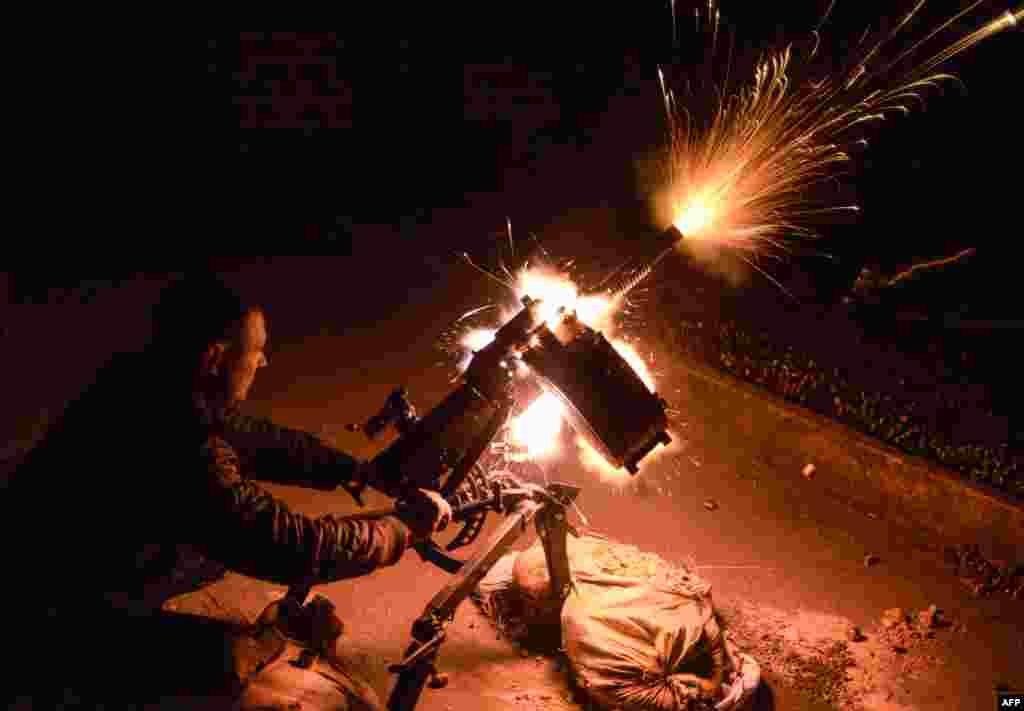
(437, 137)
(397, 131)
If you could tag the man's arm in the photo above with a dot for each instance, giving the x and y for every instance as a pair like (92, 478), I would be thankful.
(287, 456)
(254, 533)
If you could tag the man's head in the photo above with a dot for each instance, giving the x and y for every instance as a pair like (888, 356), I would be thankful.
(217, 339)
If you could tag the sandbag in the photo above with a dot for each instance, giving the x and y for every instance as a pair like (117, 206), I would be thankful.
(592, 554)
(641, 647)
(532, 582)
(279, 665)
(640, 634)
(284, 686)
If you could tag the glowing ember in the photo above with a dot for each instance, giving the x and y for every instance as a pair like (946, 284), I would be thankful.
(477, 339)
(742, 178)
(555, 291)
(694, 218)
(596, 312)
(741, 175)
(593, 461)
(538, 427)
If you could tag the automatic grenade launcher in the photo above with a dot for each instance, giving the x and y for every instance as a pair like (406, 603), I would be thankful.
(603, 398)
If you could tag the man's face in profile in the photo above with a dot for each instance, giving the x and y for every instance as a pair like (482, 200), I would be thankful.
(246, 356)
(230, 366)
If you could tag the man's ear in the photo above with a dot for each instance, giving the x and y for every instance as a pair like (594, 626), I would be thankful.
(213, 358)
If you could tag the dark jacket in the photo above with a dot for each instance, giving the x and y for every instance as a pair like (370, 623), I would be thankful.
(133, 495)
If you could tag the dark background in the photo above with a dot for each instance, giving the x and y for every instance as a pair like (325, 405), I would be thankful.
(375, 129)
(392, 154)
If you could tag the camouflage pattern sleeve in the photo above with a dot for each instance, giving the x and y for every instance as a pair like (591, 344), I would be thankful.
(250, 531)
(282, 455)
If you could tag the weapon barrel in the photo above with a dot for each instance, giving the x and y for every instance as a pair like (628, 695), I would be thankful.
(629, 277)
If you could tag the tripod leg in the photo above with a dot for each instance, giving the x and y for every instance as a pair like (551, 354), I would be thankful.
(553, 530)
(414, 673)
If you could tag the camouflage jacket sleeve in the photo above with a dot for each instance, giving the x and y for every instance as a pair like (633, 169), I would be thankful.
(282, 455)
(250, 531)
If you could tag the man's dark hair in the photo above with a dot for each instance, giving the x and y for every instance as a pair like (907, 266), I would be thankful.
(196, 310)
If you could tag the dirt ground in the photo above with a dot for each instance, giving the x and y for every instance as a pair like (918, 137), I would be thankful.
(787, 563)
(786, 558)
(789, 579)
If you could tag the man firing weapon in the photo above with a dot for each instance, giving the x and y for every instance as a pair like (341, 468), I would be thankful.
(151, 471)
(204, 373)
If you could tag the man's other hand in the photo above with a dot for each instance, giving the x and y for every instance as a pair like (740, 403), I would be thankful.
(425, 513)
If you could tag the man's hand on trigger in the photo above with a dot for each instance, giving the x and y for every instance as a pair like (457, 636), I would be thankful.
(425, 513)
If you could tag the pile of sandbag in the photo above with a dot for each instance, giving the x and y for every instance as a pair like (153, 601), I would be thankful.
(290, 659)
(640, 634)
